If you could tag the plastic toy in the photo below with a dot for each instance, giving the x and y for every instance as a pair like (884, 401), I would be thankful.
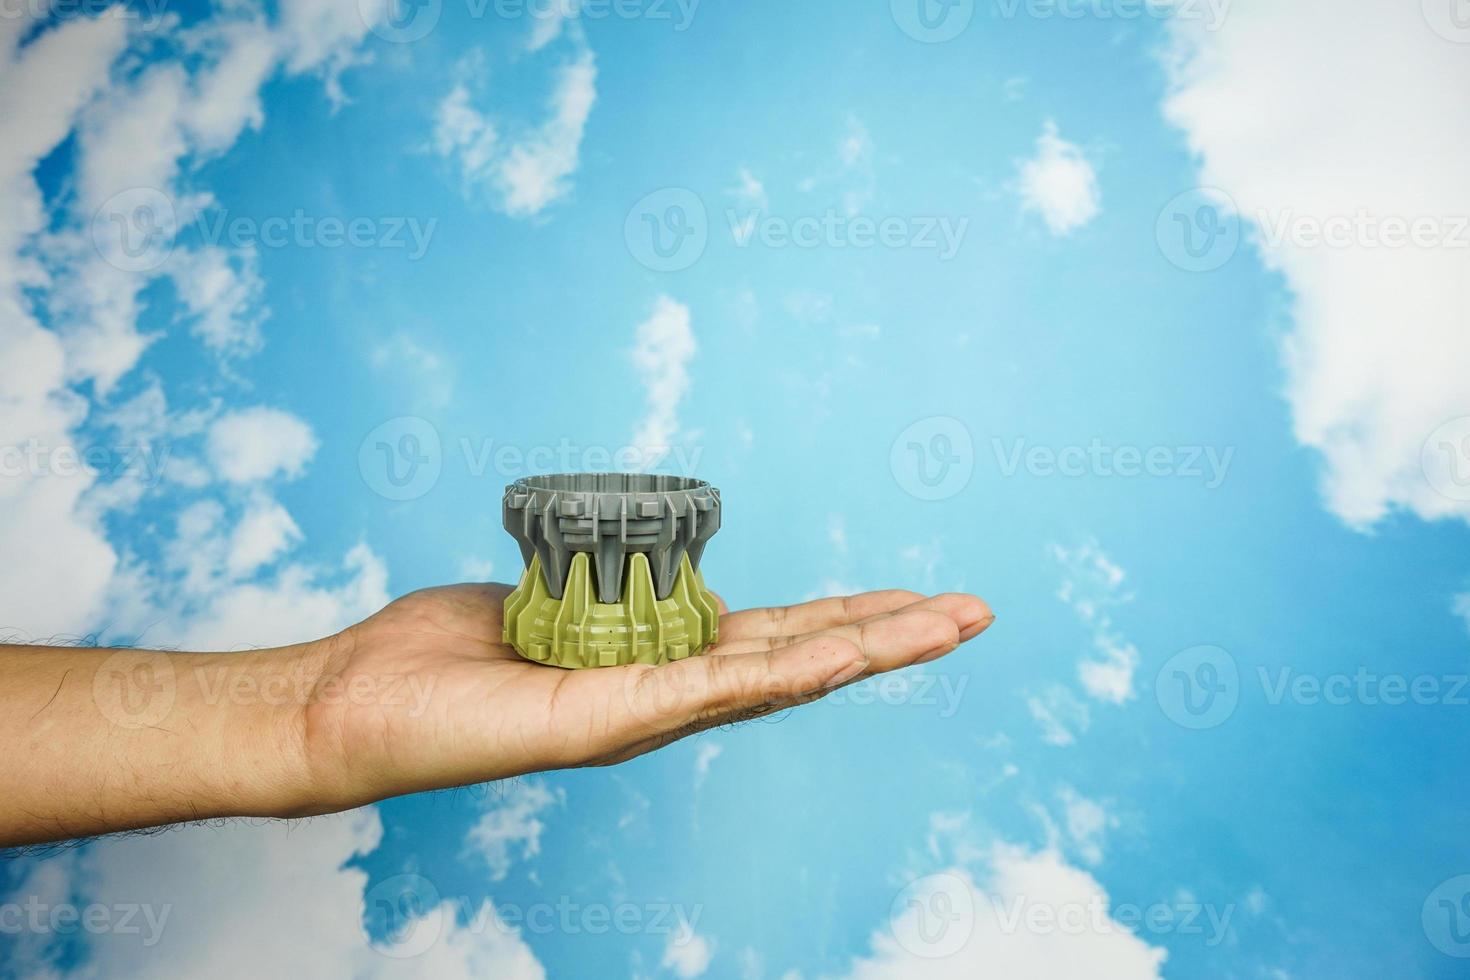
(612, 568)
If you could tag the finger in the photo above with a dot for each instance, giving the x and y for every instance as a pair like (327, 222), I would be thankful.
(674, 698)
(719, 691)
(911, 631)
(809, 617)
(704, 689)
(970, 615)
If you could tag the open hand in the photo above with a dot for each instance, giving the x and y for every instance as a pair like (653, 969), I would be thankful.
(468, 708)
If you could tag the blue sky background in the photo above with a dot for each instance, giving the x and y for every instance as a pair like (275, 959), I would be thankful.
(1319, 832)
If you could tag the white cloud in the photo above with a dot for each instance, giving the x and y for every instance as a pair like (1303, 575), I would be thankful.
(1256, 900)
(1059, 183)
(264, 533)
(661, 354)
(851, 174)
(473, 569)
(687, 953)
(298, 603)
(1087, 823)
(61, 586)
(227, 93)
(832, 588)
(511, 823)
(704, 757)
(428, 377)
(322, 36)
(1375, 362)
(461, 131)
(837, 533)
(1030, 915)
(549, 21)
(253, 444)
(221, 291)
(292, 907)
(45, 85)
(520, 176)
(855, 152)
(923, 560)
(1092, 584)
(1061, 716)
(145, 130)
(749, 191)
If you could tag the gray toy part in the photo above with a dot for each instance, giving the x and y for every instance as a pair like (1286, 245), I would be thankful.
(609, 516)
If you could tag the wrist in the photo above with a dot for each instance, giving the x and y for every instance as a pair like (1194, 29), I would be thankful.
(252, 711)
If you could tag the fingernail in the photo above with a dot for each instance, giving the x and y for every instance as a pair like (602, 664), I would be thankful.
(936, 653)
(977, 628)
(847, 673)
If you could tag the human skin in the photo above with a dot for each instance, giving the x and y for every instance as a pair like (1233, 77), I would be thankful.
(422, 695)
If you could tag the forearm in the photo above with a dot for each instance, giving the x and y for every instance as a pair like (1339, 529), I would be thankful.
(106, 740)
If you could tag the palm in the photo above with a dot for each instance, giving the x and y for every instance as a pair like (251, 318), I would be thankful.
(441, 701)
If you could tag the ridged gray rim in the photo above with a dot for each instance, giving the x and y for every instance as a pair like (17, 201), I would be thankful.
(609, 516)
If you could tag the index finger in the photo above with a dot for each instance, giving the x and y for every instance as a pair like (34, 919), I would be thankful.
(810, 617)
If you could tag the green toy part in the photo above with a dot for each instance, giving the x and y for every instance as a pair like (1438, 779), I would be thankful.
(578, 631)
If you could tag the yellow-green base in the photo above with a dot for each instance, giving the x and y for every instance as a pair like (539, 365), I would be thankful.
(578, 631)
